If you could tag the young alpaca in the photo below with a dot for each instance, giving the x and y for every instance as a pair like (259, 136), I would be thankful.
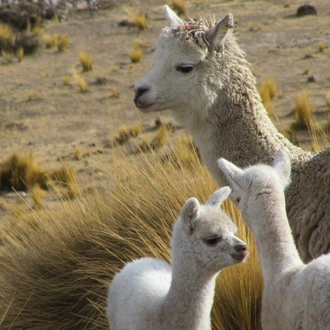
(296, 296)
(202, 75)
(151, 294)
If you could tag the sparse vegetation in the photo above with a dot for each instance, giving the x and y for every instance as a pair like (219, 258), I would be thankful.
(31, 95)
(136, 55)
(140, 21)
(179, 6)
(20, 54)
(114, 91)
(86, 61)
(303, 110)
(50, 41)
(65, 80)
(267, 93)
(307, 70)
(81, 82)
(321, 47)
(327, 100)
(63, 42)
(140, 43)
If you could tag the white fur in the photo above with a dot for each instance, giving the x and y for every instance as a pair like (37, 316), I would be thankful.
(219, 105)
(296, 296)
(151, 294)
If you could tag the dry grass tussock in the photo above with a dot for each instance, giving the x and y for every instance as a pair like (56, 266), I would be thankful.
(179, 6)
(21, 172)
(303, 110)
(55, 267)
(86, 61)
(267, 93)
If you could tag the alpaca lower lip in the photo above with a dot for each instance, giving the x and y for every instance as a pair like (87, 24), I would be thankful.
(142, 106)
(240, 256)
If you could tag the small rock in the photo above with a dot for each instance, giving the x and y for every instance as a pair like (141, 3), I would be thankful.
(306, 10)
(311, 79)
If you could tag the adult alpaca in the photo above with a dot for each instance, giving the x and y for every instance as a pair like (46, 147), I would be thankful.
(201, 74)
(296, 296)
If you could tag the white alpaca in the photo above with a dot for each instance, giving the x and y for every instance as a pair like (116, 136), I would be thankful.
(296, 296)
(150, 294)
(201, 74)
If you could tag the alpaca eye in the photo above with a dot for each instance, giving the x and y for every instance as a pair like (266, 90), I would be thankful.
(185, 68)
(238, 199)
(212, 241)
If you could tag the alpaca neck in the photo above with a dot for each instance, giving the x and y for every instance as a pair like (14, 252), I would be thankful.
(190, 298)
(236, 127)
(270, 226)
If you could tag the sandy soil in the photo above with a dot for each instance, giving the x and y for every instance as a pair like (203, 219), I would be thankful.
(60, 118)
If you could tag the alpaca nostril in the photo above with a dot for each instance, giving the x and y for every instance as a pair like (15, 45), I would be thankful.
(140, 90)
(240, 248)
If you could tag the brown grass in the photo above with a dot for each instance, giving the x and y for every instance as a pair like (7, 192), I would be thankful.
(321, 46)
(136, 55)
(20, 172)
(50, 41)
(81, 82)
(303, 110)
(62, 42)
(20, 54)
(267, 93)
(327, 100)
(66, 80)
(140, 21)
(56, 265)
(179, 6)
(86, 61)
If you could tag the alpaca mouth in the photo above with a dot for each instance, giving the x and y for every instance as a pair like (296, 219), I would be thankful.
(240, 256)
(141, 105)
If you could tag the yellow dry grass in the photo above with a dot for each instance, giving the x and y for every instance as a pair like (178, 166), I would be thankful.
(50, 41)
(81, 82)
(179, 6)
(62, 42)
(303, 110)
(6, 32)
(20, 54)
(267, 93)
(136, 55)
(61, 262)
(140, 21)
(86, 61)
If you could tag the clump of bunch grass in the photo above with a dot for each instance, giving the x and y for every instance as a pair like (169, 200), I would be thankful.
(136, 55)
(20, 54)
(125, 134)
(321, 46)
(179, 6)
(6, 37)
(157, 142)
(267, 93)
(303, 111)
(86, 61)
(140, 43)
(31, 95)
(114, 91)
(50, 41)
(66, 80)
(62, 42)
(81, 82)
(140, 21)
(20, 173)
(307, 70)
(65, 266)
(327, 100)
(37, 197)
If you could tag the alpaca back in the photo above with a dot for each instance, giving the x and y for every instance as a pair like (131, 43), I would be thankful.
(137, 289)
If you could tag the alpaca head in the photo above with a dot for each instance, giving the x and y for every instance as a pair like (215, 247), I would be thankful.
(204, 235)
(258, 187)
(185, 74)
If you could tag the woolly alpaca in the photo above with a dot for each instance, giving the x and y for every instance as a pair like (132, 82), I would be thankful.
(151, 294)
(201, 74)
(296, 296)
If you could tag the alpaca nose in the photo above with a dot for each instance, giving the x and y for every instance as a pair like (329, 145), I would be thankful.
(240, 247)
(139, 91)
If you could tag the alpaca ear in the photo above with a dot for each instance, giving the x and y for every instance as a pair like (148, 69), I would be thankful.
(219, 197)
(172, 18)
(217, 34)
(282, 167)
(189, 213)
(232, 173)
